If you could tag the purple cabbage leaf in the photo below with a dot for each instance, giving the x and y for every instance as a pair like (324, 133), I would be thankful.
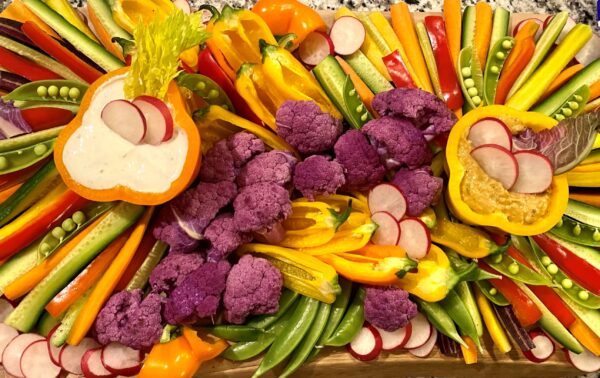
(12, 122)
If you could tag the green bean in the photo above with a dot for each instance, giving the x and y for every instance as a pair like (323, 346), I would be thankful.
(351, 323)
(573, 105)
(495, 62)
(61, 91)
(577, 232)
(12, 161)
(491, 293)
(262, 322)
(457, 310)
(511, 268)
(206, 88)
(440, 319)
(470, 77)
(236, 332)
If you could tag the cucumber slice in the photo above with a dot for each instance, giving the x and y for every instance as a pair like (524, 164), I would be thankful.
(427, 50)
(368, 72)
(47, 323)
(140, 278)
(583, 212)
(499, 26)
(59, 337)
(468, 27)
(78, 39)
(18, 265)
(102, 10)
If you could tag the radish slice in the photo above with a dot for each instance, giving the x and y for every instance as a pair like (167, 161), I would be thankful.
(7, 334)
(91, 364)
(421, 330)
(159, 121)
(544, 347)
(54, 351)
(11, 357)
(315, 47)
(388, 232)
(535, 172)
(395, 339)
(125, 119)
(387, 197)
(498, 163)
(425, 349)
(490, 131)
(415, 238)
(36, 362)
(366, 346)
(121, 359)
(586, 361)
(347, 34)
(536, 20)
(183, 5)
(5, 309)
(70, 358)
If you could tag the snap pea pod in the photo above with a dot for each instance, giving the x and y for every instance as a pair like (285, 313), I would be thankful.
(236, 332)
(466, 295)
(577, 232)
(491, 293)
(70, 227)
(288, 298)
(358, 113)
(470, 77)
(351, 323)
(510, 267)
(290, 336)
(73, 108)
(304, 350)
(440, 319)
(27, 140)
(206, 88)
(573, 105)
(12, 161)
(457, 310)
(497, 57)
(61, 91)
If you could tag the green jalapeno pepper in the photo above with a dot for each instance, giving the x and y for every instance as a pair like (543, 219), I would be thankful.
(12, 161)
(440, 319)
(236, 333)
(457, 310)
(262, 322)
(493, 67)
(510, 267)
(573, 105)
(60, 91)
(491, 293)
(206, 88)
(470, 77)
(351, 323)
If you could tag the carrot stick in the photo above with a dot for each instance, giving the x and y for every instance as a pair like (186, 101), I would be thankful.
(452, 17)
(86, 279)
(136, 262)
(523, 51)
(365, 94)
(470, 353)
(585, 336)
(527, 31)
(403, 26)
(594, 91)
(562, 78)
(29, 280)
(591, 198)
(108, 282)
(483, 30)
(5, 193)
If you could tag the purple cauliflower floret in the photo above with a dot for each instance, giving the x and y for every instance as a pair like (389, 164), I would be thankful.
(318, 175)
(181, 223)
(172, 270)
(360, 161)
(218, 164)
(388, 308)
(253, 288)
(244, 146)
(303, 125)
(420, 188)
(425, 110)
(273, 166)
(224, 237)
(260, 206)
(398, 142)
(199, 294)
(128, 319)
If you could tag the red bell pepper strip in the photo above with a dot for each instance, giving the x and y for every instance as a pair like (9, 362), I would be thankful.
(578, 269)
(46, 118)
(525, 310)
(208, 66)
(448, 79)
(53, 48)
(397, 69)
(25, 67)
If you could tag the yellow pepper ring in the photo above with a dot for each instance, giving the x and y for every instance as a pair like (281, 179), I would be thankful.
(559, 187)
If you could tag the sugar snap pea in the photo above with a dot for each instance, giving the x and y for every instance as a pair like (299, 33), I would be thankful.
(288, 298)
(470, 77)
(492, 293)
(493, 67)
(440, 319)
(236, 333)
(357, 112)
(206, 88)
(12, 161)
(466, 295)
(577, 232)
(457, 310)
(510, 267)
(61, 91)
(573, 105)
(352, 321)
(27, 140)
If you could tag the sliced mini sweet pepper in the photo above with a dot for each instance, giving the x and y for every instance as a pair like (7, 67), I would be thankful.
(203, 350)
(250, 84)
(344, 241)
(466, 240)
(396, 67)
(369, 270)
(175, 358)
(25, 67)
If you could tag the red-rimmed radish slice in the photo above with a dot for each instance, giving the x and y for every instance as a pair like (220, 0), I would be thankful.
(544, 347)
(366, 346)
(71, 355)
(183, 5)
(388, 231)
(498, 163)
(536, 20)
(7, 334)
(122, 360)
(159, 121)
(387, 197)
(347, 34)
(91, 364)
(11, 357)
(315, 47)
(54, 350)
(425, 349)
(535, 172)
(5, 309)
(395, 339)
(125, 119)
(585, 361)
(421, 330)
(490, 131)
(36, 362)
(415, 238)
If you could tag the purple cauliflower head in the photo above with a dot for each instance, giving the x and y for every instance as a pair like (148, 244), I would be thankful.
(224, 237)
(273, 166)
(199, 294)
(425, 110)
(420, 188)
(398, 142)
(318, 175)
(253, 288)
(182, 222)
(303, 125)
(388, 308)
(128, 319)
(244, 146)
(172, 270)
(360, 161)
(260, 206)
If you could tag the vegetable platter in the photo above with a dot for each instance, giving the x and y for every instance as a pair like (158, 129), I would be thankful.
(280, 191)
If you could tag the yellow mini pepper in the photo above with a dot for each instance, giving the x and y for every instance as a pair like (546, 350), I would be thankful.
(466, 240)
(368, 270)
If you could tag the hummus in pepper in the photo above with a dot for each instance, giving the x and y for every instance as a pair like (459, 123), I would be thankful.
(485, 195)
